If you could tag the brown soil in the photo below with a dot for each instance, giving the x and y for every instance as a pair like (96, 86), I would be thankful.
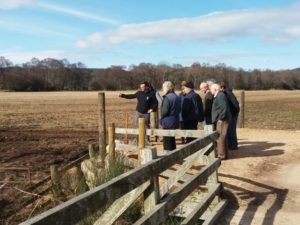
(36, 150)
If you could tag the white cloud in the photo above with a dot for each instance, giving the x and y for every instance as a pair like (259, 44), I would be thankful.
(10, 4)
(77, 13)
(272, 25)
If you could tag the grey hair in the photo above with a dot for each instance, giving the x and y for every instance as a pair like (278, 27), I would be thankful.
(168, 86)
(215, 86)
(204, 84)
(210, 82)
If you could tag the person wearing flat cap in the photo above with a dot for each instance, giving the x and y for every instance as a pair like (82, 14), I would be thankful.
(192, 109)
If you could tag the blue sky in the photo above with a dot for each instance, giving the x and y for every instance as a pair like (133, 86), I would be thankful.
(252, 34)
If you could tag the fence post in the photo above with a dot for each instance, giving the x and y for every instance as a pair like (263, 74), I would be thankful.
(153, 124)
(209, 128)
(242, 110)
(158, 126)
(142, 136)
(92, 151)
(111, 142)
(126, 126)
(151, 194)
(55, 178)
(102, 126)
(212, 180)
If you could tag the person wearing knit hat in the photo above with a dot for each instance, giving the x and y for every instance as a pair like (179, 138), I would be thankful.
(192, 109)
(189, 85)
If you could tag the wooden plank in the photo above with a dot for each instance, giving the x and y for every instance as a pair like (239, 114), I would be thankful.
(151, 195)
(120, 205)
(162, 132)
(189, 161)
(169, 173)
(167, 204)
(76, 209)
(215, 214)
(131, 131)
(125, 147)
(194, 216)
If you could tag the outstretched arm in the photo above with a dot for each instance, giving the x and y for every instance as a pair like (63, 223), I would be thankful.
(128, 96)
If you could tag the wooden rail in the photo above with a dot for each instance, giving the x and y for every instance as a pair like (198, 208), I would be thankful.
(119, 193)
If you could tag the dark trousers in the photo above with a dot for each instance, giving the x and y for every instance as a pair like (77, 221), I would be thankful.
(207, 120)
(190, 125)
(169, 143)
(232, 137)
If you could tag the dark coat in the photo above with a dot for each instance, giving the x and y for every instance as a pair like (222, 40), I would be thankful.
(233, 102)
(145, 100)
(170, 109)
(192, 108)
(181, 96)
(207, 104)
(220, 108)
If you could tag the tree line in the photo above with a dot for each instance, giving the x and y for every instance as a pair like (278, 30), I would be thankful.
(58, 75)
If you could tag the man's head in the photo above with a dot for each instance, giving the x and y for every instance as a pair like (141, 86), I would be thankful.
(188, 87)
(167, 87)
(203, 87)
(182, 84)
(144, 86)
(210, 82)
(222, 86)
(214, 89)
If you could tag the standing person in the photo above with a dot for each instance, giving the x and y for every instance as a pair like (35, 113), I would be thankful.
(146, 103)
(207, 102)
(221, 117)
(181, 124)
(234, 110)
(191, 109)
(170, 109)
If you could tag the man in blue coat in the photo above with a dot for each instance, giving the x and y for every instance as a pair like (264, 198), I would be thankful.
(170, 109)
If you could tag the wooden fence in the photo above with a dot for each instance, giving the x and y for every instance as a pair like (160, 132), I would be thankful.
(190, 189)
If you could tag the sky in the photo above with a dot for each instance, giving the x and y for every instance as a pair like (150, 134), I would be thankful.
(256, 34)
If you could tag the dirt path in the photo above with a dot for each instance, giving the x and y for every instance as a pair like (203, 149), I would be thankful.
(264, 176)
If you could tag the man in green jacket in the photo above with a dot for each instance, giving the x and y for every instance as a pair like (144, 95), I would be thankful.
(220, 116)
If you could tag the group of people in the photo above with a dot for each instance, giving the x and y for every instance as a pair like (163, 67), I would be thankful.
(216, 105)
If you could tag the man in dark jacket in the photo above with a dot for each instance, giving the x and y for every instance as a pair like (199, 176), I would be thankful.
(221, 117)
(191, 109)
(146, 102)
(234, 109)
(170, 109)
